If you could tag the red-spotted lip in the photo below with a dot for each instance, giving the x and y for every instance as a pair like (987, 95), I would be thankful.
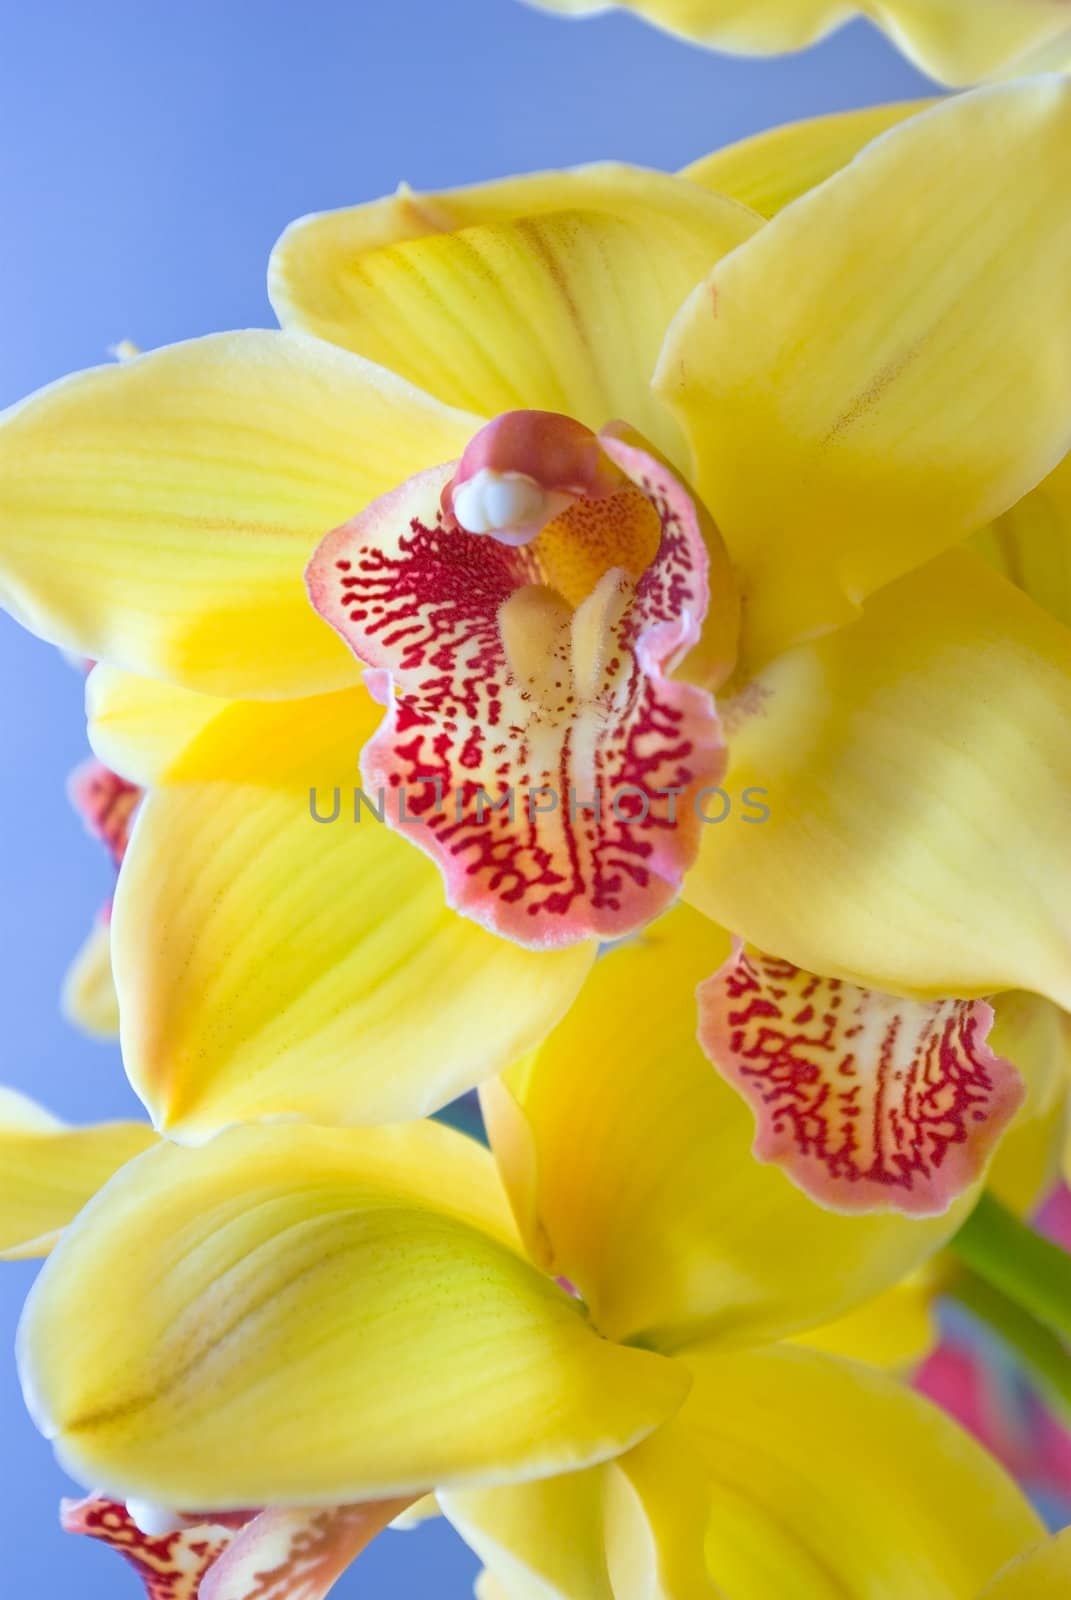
(275, 1554)
(172, 1566)
(106, 803)
(419, 603)
(866, 1101)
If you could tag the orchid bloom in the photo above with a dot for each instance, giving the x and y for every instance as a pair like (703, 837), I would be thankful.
(564, 457)
(955, 41)
(1031, 547)
(585, 1344)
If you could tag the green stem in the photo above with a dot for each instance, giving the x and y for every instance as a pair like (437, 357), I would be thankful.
(1012, 1258)
(1037, 1348)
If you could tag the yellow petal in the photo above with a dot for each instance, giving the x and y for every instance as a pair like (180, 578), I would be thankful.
(313, 279)
(575, 8)
(551, 293)
(416, 1513)
(916, 776)
(48, 1171)
(488, 1587)
(955, 41)
(140, 726)
(271, 964)
(1031, 543)
(788, 1472)
(158, 514)
(89, 999)
(776, 166)
(897, 1329)
(638, 1568)
(628, 1161)
(18, 1113)
(1036, 1036)
(1040, 1574)
(959, 44)
(885, 366)
(307, 1316)
(746, 26)
(543, 1539)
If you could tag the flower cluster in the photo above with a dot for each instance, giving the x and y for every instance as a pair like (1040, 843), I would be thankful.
(633, 489)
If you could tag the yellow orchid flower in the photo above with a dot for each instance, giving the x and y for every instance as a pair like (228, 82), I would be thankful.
(955, 41)
(587, 1373)
(806, 436)
(1030, 546)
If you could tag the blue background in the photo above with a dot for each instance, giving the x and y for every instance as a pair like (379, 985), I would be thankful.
(149, 156)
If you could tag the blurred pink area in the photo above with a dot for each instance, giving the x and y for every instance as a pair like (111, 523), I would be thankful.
(970, 1377)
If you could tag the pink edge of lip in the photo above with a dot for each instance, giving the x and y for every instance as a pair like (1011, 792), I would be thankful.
(497, 892)
(784, 1039)
(320, 569)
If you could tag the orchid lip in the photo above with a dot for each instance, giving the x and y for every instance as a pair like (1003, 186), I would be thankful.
(866, 1101)
(520, 613)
